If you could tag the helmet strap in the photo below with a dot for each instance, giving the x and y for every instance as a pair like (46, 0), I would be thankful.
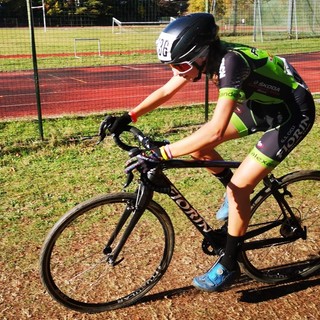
(200, 69)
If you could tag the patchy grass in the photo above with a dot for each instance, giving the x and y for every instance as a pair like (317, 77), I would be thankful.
(42, 180)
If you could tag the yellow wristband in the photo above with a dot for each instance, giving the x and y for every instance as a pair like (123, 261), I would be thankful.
(163, 153)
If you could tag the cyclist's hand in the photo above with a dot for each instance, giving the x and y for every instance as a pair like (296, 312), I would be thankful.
(114, 125)
(118, 124)
(145, 161)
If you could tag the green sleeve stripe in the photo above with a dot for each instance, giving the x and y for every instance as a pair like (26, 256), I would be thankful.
(230, 93)
(263, 159)
(239, 125)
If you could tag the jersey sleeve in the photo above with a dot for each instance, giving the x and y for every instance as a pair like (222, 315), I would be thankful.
(234, 70)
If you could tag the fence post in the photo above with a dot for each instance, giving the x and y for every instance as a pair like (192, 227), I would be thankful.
(206, 90)
(35, 67)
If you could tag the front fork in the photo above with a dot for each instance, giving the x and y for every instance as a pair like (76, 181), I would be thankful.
(135, 210)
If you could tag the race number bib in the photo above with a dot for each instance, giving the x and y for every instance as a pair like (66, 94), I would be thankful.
(164, 45)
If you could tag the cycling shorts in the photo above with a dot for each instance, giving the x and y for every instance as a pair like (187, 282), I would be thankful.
(285, 125)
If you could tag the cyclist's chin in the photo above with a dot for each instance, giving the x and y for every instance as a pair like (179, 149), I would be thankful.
(191, 79)
(195, 79)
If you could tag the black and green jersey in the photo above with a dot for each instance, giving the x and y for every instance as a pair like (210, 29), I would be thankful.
(254, 74)
(272, 98)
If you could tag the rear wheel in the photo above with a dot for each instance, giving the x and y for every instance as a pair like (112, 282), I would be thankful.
(75, 265)
(296, 254)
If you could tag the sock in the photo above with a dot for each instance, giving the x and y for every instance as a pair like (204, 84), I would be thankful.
(229, 260)
(225, 176)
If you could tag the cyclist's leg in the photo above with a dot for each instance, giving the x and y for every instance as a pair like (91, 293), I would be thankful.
(271, 149)
(284, 134)
(244, 180)
(239, 126)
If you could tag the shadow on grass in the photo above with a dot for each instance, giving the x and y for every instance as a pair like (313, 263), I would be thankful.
(165, 294)
(273, 292)
(255, 295)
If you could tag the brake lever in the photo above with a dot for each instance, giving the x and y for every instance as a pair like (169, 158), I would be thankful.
(102, 131)
(104, 127)
(129, 180)
(101, 138)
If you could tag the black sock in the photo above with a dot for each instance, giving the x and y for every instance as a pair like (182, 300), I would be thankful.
(225, 176)
(229, 260)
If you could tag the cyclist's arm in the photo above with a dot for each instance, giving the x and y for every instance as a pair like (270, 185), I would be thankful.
(210, 134)
(161, 95)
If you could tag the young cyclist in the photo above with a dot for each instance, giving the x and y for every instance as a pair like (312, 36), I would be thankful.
(257, 92)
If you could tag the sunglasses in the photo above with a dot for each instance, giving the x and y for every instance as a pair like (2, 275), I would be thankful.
(186, 66)
(182, 67)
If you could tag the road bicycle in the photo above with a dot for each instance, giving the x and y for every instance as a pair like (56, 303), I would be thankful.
(108, 252)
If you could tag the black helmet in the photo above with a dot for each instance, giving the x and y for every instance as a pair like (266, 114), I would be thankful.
(186, 38)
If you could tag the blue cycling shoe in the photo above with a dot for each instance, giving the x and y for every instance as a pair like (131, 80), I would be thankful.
(223, 212)
(217, 278)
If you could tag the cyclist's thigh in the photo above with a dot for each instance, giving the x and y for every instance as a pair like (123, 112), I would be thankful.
(285, 126)
(276, 143)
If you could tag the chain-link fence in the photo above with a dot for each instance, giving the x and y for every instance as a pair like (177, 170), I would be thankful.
(89, 68)
(268, 20)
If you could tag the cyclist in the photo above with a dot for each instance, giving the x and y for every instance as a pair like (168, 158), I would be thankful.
(257, 92)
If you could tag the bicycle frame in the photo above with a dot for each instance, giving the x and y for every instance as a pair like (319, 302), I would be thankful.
(149, 182)
(145, 194)
(213, 238)
(271, 182)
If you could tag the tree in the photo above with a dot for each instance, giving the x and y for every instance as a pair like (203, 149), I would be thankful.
(126, 10)
(201, 6)
(53, 7)
(198, 5)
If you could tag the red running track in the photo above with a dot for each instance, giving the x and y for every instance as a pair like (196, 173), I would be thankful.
(87, 90)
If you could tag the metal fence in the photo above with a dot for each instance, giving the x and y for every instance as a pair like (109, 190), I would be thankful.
(89, 68)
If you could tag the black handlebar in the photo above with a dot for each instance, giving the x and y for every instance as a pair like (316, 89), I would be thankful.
(149, 144)
(146, 142)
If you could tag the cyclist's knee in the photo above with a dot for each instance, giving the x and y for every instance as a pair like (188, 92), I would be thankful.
(237, 192)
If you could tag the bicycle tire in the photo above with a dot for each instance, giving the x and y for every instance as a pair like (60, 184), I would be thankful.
(298, 258)
(73, 267)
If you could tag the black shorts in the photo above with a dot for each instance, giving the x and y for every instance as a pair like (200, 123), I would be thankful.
(285, 125)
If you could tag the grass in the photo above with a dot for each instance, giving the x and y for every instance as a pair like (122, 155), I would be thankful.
(16, 41)
(42, 180)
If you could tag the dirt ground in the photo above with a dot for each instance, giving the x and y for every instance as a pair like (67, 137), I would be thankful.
(245, 300)
(23, 297)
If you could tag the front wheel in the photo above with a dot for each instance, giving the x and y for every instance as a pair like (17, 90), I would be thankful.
(282, 252)
(75, 264)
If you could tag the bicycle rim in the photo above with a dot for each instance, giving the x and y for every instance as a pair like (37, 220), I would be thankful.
(294, 259)
(75, 271)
